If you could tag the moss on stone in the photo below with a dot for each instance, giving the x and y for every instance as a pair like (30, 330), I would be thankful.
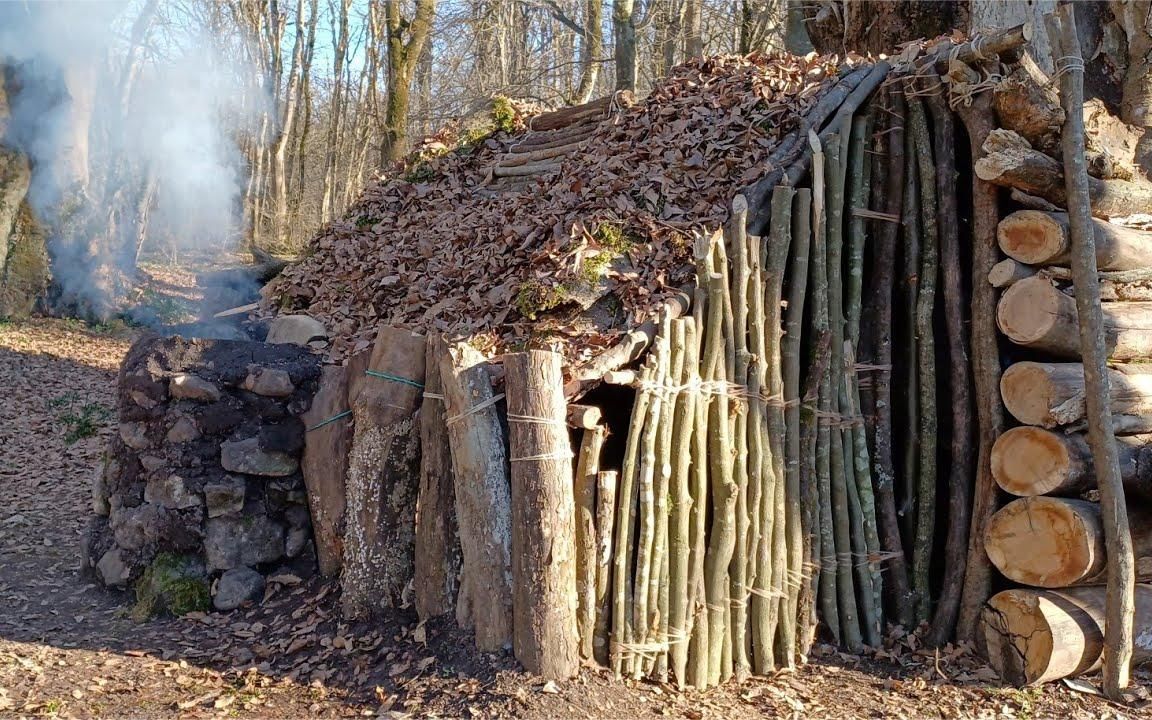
(173, 585)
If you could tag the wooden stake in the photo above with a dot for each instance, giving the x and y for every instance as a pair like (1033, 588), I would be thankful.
(680, 599)
(746, 477)
(325, 466)
(606, 482)
(587, 475)
(909, 344)
(544, 602)
(699, 642)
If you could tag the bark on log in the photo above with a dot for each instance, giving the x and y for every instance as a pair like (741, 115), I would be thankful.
(544, 604)
(438, 558)
(584, 417)
(1053, 394)
(598, 108)
(537, 168)
(587, 473)
(1035, 314)
(1041, 238)
(1058, 542)
(1008, 272)
(1032, 637)
(483, 502)
(605, 532)
(554, 139)
(1029, 461)
(325, 465)
(513, 159)
(1011, 162)
(384, 476)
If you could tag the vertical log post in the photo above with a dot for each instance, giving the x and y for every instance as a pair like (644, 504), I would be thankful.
(384, 476)
(605, 532)
(587, 472)
(325, 464)
(1120, 605)
(544, 603)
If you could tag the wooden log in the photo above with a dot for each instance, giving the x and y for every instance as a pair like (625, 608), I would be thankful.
(1053, 394)
(1031, 637)
(985, 44)
(534, 142)
(1011, 162)
(681, 599)
(514, 159)
(325, 465)
(1058, 542)
(584, 417)
(1029, 461)
(544, 603)
(383, 477)
(483, 500)
(905, 360)
(598, 108)
(587, 474)
(605, 530)
(1008, 272)
(1041, 238)
(1035, 314)
(536, 168)
(438, 559)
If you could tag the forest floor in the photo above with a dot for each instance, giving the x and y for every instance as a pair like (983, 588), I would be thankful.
(70, 649)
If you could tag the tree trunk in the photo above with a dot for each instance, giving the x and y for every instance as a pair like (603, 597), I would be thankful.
(325, 466)
(543, 516)
(1035, 314)
(1057, 542)
(383, 476)
(483, 501)
(406, 39)
(1135, 18)
(1029, 461)
(591, 46)
(1031, 637)
(860, 26)
(1041, 238)
(437, 568)
(1054, 394)
(624, 31)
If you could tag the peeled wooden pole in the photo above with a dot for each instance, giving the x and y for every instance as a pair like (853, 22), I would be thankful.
(606, 482)
(483, 501)
(383, 476)
(587, 475)
(1029, 461)
(1031, 637)
(1035, 314)
(325, 465)
(1055, 394)
(544, 603)
(437, 571)
(1042, 238)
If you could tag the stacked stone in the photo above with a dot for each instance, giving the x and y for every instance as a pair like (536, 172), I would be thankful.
(204, 473)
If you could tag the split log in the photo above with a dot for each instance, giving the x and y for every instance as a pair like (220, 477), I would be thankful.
(1035, 314)
(1008, 272)
(325, 465)
(605, 524)
(1041, 238)
(1029, 461)
(1058, 542)
(483, 501)
(544, 604)
(586, 417)
(384, 476)
(1053, 394)
(1032, 637)
(437, 540)
(1011, 162)
(598, 108)
(587, 473)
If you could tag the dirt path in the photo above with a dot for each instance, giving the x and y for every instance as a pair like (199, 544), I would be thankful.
(69, 649)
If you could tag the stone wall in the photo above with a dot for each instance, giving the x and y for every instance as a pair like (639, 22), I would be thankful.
(201, 488)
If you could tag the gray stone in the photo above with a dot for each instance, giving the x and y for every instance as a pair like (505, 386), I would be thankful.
(141, 398)
(170, 491)
(230, 542)
(297, 539)
(245, 456)
(152, 463)
(112, 568)
(133, 527)
(135, 435)
(296, 329)
(298, 517)
(100, 504)
(190, 387)
(269, 382)
(236, 587)
(183, 430)
(224, 498)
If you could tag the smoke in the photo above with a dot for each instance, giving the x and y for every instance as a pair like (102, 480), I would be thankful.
(131, 135)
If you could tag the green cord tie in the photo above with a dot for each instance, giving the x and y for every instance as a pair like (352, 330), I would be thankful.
(334, 418)
(394, 378)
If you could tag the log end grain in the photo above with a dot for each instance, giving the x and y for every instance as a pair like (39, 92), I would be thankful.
(1032, 237)
(1031, 395)
(1032, 637)
(1028, 461)
(1046, 542)
(1030, 311)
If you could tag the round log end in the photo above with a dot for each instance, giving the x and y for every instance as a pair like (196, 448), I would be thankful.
(1046, 542)
(1015, 637)
(1029, 393)
(1029, 311)
(1029, 461)
(1032, 237)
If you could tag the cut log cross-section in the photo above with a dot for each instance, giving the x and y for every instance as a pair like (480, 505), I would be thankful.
(1034, 237)
(1052, 394)
(1057, 542)
(1008, 272)
(1035, 314)
(1036, 636)
(1029, 461)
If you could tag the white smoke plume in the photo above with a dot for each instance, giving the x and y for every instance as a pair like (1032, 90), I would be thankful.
(110, 145)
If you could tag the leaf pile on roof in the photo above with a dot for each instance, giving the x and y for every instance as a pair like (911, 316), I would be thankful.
(435, 249)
